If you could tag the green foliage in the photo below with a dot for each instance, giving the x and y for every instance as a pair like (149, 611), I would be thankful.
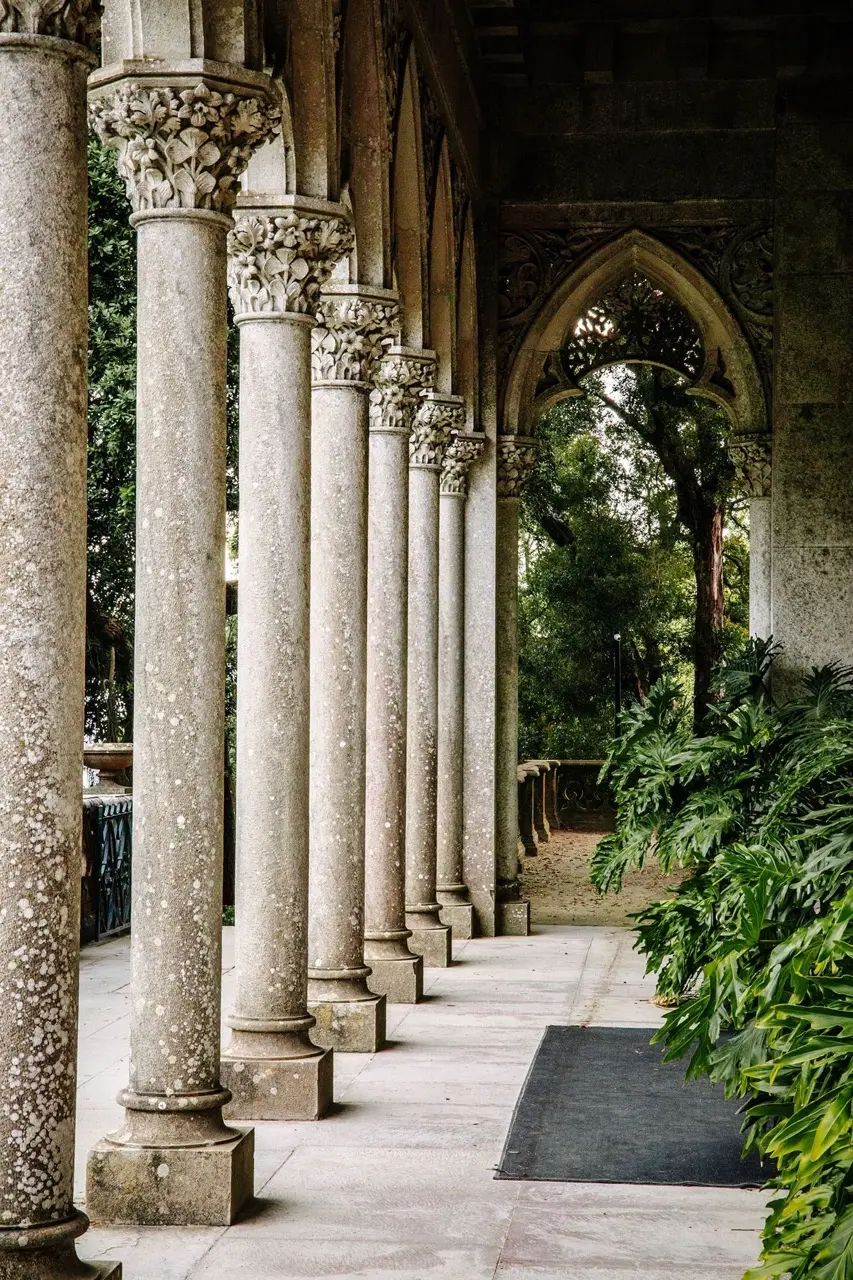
(758, 939)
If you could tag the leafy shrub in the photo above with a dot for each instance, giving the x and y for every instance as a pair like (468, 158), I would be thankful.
(758, 938)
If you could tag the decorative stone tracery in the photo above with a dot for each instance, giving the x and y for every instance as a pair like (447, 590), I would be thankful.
(278, 263)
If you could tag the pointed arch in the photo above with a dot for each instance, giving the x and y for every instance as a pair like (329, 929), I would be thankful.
(442, 278)
(409, 213)
(729, 375)
(467, 346)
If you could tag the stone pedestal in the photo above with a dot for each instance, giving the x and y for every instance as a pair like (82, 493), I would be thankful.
(399, 380)
(42, 635)
(515, 457)
(174, 1160)
(438, 416)
(451, 891)
(271, 1066)
(355, 325)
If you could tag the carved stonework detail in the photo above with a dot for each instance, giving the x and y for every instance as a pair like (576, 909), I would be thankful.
(437, 418)
(182, 148)
(516, 455)
(461, 452)
(353, 330)
(752, 459)
(400, 379)
(76, 20)
(279, 263)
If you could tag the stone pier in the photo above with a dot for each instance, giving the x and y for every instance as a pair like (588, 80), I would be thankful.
(356, 324)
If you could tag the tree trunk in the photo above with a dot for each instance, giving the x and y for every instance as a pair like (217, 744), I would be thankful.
(708, 567)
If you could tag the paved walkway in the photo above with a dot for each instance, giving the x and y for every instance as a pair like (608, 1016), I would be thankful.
(400, 1180)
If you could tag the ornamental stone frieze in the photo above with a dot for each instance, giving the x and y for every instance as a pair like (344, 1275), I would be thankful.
(752, 456)
(182, 148)
(461, 452)
(278, 261)
(76, 20)
(355, 326)
(516, 455)
(402, 376)
(438, 416)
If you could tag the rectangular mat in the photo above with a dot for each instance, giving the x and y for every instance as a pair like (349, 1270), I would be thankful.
(600, 1105)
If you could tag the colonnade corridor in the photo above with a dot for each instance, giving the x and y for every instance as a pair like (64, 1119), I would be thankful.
(399, 1179)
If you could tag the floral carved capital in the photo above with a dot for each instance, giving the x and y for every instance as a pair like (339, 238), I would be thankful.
(438, 416)
(751, 456)
(76, 20)
(461, 452)
(182, 148)
(278, 263)
(399, 380)
(353, 331)
(516, 455)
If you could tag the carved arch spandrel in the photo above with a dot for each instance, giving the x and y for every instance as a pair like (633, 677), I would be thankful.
(730, 376)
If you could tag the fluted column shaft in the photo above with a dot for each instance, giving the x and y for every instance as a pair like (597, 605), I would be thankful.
(456, 910)
(401, 376)
(438, 416)
(278, 259)
(174, 1100)
(515, 456)
(354, 325)
(43, 321)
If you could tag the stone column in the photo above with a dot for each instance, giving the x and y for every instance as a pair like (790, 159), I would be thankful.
(356, 323)
(401, 377)
(540, 818)
(752, 459)
(515, 458)
(552, 796)
(43, 295)
(438, 416)
(527, 778)
(180, 148)
(278, 260)
(456, 909)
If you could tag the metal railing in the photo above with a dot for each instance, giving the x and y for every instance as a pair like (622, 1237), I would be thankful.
(107, 847)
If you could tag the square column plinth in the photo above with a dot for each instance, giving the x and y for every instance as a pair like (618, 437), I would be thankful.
(459, 917)
(399, 980)
(349, 1026)
(434, 945)
(279, 1088)
(204, 1186)
(514, 918)
(54, 1264)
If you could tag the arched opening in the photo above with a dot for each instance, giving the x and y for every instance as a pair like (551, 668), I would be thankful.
(409, 215)
(442, 279)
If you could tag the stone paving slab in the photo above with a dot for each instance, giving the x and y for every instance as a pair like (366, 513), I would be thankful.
(399, 1180)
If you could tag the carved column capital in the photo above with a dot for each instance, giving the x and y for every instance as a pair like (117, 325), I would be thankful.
(401, 376)
(279, 259)
(752, 457)
(355, 326)
(75, 20)
(516, 455)
(461, 452)
(178, 146)
(438, 416)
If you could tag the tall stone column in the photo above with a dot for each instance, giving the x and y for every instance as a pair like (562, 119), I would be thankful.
(752, 459)
(278, 260)
(181, 147)
(438, 417)
(515, 458)
(44, 61)
(456, 909)
(402, 375)
(355, 324)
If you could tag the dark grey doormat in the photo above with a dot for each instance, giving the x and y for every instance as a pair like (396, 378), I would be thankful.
(600, 1105)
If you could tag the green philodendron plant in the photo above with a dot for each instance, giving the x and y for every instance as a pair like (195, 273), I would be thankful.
(757, 938)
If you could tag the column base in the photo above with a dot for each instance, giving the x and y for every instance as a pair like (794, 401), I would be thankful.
(279, 1088)
(349, 1026)
(202, 1186)
(434, 944)
(513, 919)
(47, 1252)
(459, 917)
(400, 980)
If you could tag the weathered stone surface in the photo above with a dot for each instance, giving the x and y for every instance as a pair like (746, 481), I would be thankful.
(514, 918)
(400, 980)
(350, 1025)
(458, 916)
(278, 1088)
